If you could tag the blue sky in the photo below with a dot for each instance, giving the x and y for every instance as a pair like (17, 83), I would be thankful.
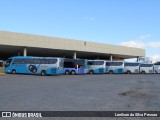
(134, 23)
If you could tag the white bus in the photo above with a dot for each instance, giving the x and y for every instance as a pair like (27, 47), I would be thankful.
(96, 66)
(146, 68)
(157, 67)
(131, 67)
(114, 67)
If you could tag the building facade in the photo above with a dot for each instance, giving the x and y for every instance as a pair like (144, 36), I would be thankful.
(18, 44)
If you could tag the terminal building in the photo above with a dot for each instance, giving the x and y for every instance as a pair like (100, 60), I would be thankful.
(20, 44)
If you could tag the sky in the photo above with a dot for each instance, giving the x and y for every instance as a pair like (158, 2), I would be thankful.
(132, 23)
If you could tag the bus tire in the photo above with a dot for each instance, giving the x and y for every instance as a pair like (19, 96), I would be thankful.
(91, 72)
(43, 73)
(128, 72)
(13, 71)
(111, 72)
(73, 72)
(67, 72)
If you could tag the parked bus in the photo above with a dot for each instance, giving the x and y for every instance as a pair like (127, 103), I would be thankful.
(146, 68)
(75, 66)
(34, 65)
(96, 66)
(131, 67)
(115, 67)
(157, 67)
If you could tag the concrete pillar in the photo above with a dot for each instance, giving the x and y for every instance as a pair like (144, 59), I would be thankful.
(25, 52)
(137, 58)
(19, 54)
(111, 58)
(74, 55)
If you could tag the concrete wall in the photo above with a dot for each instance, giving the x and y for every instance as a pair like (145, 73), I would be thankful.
(1, 69)
(28, 40)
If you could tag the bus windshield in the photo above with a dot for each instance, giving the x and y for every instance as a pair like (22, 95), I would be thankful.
(8, 62)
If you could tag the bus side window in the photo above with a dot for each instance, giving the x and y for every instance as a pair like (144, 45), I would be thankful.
(68, 64)
(44, 61)
(107, 63)
(16, 61)
(89, 63)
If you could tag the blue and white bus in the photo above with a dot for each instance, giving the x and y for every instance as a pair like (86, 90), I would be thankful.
(131, 67)
(114, 67)
(34, 65)
(75, 66)
(96, 66)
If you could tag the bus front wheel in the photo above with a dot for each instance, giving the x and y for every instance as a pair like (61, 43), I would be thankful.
(13, 71)
(43, 73)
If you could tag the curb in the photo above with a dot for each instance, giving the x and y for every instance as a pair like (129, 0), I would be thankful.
(2, 73)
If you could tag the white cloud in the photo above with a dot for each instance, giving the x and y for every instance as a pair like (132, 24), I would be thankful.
(155, 58)
(142, 37)
(141, 42)
(136, 44)
(154, 44)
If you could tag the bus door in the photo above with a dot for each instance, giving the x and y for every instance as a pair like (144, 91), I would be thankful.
(82, 66)
(80, 69)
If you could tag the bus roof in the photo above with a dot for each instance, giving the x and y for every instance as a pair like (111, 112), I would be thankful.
(146, 63)
(114, 61)
(30, 57)
(96, 60)
(131, 62)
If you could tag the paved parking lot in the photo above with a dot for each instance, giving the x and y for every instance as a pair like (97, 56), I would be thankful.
(80, 93)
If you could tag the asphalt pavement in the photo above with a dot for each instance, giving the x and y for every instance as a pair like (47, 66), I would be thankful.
(80, 93)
